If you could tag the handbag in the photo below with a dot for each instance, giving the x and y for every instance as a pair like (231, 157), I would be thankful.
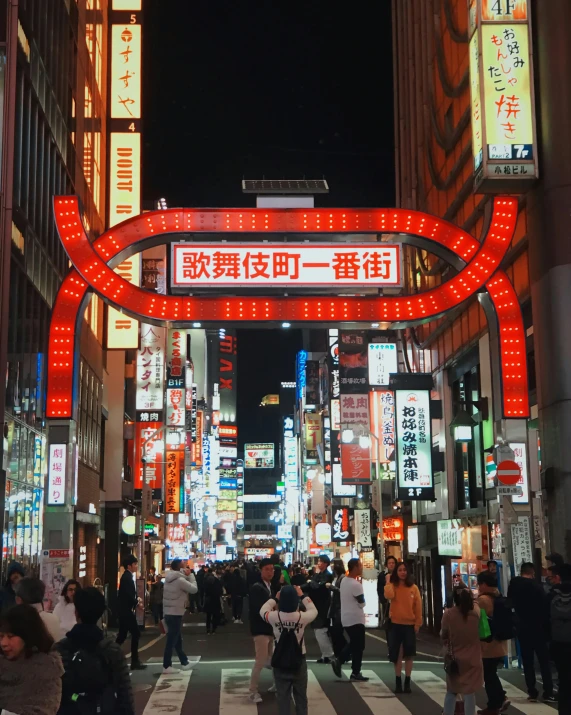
(484, 630)
(450, 663)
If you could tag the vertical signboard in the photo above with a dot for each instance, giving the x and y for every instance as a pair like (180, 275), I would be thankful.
(383, 361)
(353, 350)
(383, 424)
(312, 383)
(502, 96)
(228, 375)
(414, 445)
(56, 474)
(144, 430)
(362, 521)
(520, 458)
(300, 364)
(313, 436)
(150, 369)
(174, 479)
(175, 373)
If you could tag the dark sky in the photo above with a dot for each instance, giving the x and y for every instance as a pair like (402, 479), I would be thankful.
(270, 89)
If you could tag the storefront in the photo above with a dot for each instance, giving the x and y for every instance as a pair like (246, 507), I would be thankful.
(25, 463)
(464, 550)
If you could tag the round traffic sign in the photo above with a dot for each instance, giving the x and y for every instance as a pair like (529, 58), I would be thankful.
(509, 472)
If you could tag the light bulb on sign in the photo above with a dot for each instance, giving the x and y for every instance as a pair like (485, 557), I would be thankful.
(364, 441)
(347, 436)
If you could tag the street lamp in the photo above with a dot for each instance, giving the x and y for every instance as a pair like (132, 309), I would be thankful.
(461, 426)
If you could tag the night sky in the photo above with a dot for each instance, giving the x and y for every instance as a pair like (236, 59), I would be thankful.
(267, 89)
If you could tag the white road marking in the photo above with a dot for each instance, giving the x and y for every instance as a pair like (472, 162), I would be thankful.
(377, 696)
(317, 702)
(430, 684)
(518, 699)
(169, 694)
(150, 644)
(234, 693)
(418, 652)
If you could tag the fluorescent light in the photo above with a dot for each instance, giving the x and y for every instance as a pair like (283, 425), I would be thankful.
(286, 325)
(197, 325)
(375, 325)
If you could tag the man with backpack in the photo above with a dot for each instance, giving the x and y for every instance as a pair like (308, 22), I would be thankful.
(96, 677)
(559, 611)
(494, 648)
(288, 660)
(529, 602)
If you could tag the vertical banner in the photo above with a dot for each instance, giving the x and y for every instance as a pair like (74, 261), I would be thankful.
(355, 464)
(313, 436)
(414, 445)
(341, 524)
(383, 424)
(150, 369)
(175, 374)
(353, 362)
(312, 383)
(154, 454)
(362, 521)
(228, 386)
(174, 480)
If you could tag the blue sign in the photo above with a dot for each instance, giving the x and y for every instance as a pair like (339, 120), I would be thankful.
(228, 483)
(301, 363)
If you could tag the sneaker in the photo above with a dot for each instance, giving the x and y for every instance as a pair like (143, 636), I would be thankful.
(255, 698)
(272, 689)
(359, 678)
(505, 705)
(240, 622)
(324, 660)
(187, 666)
(138, 666)
(336, 665)
(549, 698)
(532, 698)
(171, 671)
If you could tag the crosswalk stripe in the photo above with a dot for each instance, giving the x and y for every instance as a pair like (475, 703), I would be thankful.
(169, 694)
(430, 684)
(519, 700)
(317, 702)
(234, 691)
(377, 696)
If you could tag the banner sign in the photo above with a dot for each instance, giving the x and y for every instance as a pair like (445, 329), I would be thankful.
(383, 424)
(174, 478)
(414, 445)
(56, 474)
(341, 524)
(355, 464)
(362, 522)
(313, 436)
(383, 360)
(338, 487)
(150, 368)
(293, 265)
(259, 456)
(353, 349)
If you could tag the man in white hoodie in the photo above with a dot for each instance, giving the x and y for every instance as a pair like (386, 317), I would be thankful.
(179, 584)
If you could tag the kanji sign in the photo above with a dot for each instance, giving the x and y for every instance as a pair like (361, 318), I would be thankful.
(383, 360)
(362, 521)
(353, 351)
(126, 52)
(150, 368)
(56, 474)
(174, 474)
(449, 537)
(355, 412)
(414, 445)
(341, 530)
(383, 424)
(294, 265)
(355, 464)
(176, 357)
(153, 453)
(520, 458)
(521, 542)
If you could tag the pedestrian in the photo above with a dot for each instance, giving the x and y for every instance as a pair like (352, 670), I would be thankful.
(288, 661)
(560, 622)
(353, 620)
(529, 602)
(7, 594)
(156, 599)
(316, 587)
(262, 632)
(127, 601)
(200, 576)
(30, 670)
(213, 591)
(406, 618)
(495, 649)
(298, 579)
(384, 620)
(179, 584)
(461, 637)
(65, 608)
(281, 575)
(239, 589)
(96, 677)
(555, 559)
(334, 615)
(30, 591)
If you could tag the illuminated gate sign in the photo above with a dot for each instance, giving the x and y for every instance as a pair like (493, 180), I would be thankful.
(294, 265)
(502, 95)
(414, 445)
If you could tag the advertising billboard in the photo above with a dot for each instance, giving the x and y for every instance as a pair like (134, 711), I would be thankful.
(414, 445)
(353, 361)
(259, 456)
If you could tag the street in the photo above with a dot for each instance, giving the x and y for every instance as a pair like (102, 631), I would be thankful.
(219, 681)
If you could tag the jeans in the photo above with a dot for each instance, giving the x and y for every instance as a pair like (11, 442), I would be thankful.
(324, 642)
(531, 643)
(174, 640)
(237, 603)
(291, 680)
(128, 624)
(354, 649)
(450, 704)
(264, 646)
(494, 689)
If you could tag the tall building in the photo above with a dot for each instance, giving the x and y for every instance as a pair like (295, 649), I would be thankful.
(464, 99)
(54, 111)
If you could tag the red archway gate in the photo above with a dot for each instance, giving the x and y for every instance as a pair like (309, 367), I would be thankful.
(93, 271)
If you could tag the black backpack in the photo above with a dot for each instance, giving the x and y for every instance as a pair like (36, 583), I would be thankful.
(560, 613)
(502, 623)
(288, 653)
(88, 683)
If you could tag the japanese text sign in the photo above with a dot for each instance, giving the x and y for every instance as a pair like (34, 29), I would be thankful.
(259, 456)
(383, 424)
(449, 537)
(414, 444)
(153, 454)
(341, 530)
(355, 412)
(306, 264)
(338, 487)
(56, 474)
(174, 470)
(521, 542)
(355, 464)
(313, 436)
(126, 53)
(353, 354)
(383, 360)
(150, 368)
(520, 458)
(176, 357)
(362, 521)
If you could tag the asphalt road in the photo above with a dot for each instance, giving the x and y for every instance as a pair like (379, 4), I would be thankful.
(218, 683)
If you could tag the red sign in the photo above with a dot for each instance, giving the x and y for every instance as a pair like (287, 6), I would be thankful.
(174, 475)
(355, 464)
(59, 553)
(228, 431)
(143, 430)
(509, 472)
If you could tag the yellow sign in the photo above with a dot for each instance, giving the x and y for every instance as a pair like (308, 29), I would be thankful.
(504, 10)
(507, 91)
(123, 331)
(126, 53)
(128, 5)
(477, 139)
(270, 400)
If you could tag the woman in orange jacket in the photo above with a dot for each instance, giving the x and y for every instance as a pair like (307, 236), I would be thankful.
(406, 619)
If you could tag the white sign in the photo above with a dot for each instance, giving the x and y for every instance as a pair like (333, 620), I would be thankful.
(231, 452)
(175, 402)
(341, 527)
(339, 489)
(290, 462)
(521, 542)
(505, 490)
(520, 458)
(323, 533)
(362, 520)
(335, 414)
(449, 537)
(383, 360)
(56, 474)
(150, 368)
(285, 531)
(414, 444)
(412, 539)
(311, 264)
(259, 456)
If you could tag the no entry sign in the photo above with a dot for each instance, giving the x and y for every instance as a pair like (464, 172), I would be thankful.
(509, 472)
